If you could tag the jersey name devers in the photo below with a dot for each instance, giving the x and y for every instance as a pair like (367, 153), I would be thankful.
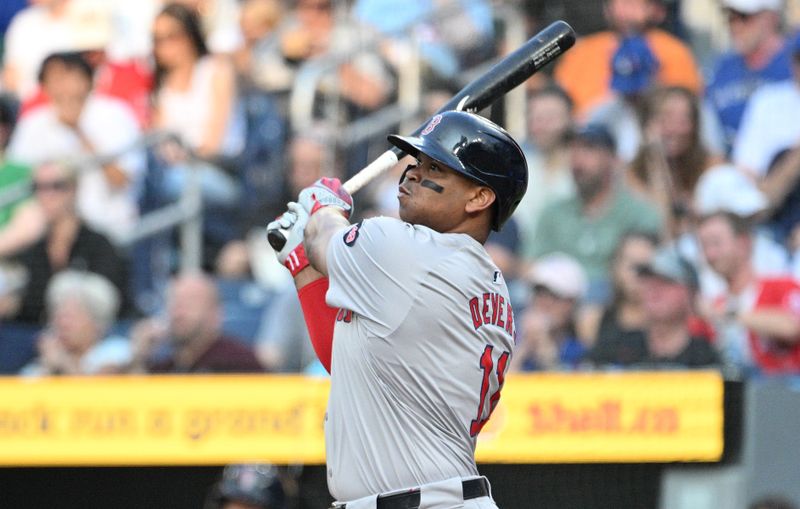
(492, 309)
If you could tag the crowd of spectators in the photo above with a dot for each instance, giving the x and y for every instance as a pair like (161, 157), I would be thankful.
(661, 228)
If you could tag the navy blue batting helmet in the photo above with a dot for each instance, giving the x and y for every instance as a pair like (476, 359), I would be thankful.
(478, 149)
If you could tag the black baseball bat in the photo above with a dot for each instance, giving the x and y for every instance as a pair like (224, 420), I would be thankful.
(505, 75)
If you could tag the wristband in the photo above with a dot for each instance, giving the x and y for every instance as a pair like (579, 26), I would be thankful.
(296, 260)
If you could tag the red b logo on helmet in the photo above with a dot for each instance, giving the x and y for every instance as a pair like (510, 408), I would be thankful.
(431, 125)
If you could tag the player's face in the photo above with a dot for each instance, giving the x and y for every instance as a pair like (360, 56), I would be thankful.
(434, 195)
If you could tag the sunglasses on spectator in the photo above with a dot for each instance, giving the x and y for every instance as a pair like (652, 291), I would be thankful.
(55, 185)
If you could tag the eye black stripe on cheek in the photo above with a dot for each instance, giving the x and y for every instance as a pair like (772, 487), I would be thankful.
(433, 186)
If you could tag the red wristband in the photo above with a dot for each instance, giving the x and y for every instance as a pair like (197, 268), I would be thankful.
(296, 260)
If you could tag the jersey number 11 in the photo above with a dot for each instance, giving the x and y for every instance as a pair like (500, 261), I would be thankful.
(486, 364)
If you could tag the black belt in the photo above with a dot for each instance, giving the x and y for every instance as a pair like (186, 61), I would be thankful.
(474, 488)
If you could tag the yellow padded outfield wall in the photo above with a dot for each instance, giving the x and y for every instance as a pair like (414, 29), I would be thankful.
(196, 420)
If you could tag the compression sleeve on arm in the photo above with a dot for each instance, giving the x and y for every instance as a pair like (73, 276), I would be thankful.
(320, 319)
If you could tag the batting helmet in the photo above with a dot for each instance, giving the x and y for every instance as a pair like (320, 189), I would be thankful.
(478, 149)
(256, 485)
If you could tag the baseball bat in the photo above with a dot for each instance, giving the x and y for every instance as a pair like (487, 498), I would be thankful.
(508, 73)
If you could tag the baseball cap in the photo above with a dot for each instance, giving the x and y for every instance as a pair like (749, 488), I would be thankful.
(633, 66)
(724, 188)
(753, 6)
(561, 274)
(596, 135)
(668, 264)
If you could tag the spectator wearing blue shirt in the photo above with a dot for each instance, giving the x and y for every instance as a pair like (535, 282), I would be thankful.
(760, 54)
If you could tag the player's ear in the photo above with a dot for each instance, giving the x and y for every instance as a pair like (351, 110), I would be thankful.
(480, 199)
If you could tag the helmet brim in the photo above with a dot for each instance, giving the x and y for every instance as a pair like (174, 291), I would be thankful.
(414, 145)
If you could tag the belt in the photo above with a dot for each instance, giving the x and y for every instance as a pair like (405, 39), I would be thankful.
(473, 488)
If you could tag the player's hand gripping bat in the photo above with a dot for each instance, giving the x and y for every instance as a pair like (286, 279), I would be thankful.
(505, 75)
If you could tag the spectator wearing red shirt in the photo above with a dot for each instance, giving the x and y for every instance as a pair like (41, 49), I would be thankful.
(757, 319)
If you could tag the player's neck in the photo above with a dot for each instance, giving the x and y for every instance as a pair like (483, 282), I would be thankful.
(475, 229)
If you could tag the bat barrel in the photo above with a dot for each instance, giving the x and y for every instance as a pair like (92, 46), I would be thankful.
(514, 68)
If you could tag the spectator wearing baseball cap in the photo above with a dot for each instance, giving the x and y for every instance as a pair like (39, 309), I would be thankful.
(548, 333)
(634, 67)
(585, 72)
(588, 225)
(672, 335)
(616, 330)
(669, 286)
(760, 54)
(725, 188)
(728, 190)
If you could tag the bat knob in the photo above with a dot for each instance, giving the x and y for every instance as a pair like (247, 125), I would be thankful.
(276, 239)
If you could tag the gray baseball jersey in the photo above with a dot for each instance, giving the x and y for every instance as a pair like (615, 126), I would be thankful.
(421, 345)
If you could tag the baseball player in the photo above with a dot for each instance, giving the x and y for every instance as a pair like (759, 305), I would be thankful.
(418, 315)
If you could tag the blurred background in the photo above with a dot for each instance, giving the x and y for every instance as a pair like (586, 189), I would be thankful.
(145, 145)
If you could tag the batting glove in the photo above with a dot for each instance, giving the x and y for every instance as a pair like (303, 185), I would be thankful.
(293, 255)
(326, 192)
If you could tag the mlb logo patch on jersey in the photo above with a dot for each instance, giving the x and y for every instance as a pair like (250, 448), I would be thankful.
(497, 277)
(351, 235)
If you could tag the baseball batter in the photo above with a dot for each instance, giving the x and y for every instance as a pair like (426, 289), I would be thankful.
(424, 328)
